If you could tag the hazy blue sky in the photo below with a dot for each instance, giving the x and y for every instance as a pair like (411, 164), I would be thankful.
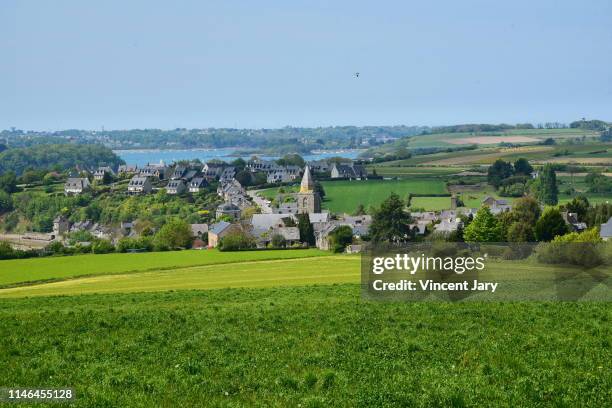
(126, 64)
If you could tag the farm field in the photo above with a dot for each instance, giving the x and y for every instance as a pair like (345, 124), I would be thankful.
(282, 272)
(487, 155)
(415, 171)
(306, 346)
(450, 139)
(345, 196)
(16, 271)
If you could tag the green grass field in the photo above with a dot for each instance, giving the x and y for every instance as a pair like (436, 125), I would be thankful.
(442, 139)
(41, 269)
(345, 196)
(241, 272)
(414, 171)
(315, 346)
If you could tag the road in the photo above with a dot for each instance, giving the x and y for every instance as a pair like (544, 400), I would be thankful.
(261, 202)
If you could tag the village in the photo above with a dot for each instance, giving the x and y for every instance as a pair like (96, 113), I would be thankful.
(268, 223)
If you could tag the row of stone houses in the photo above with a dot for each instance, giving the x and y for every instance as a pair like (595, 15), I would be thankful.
(263, 227)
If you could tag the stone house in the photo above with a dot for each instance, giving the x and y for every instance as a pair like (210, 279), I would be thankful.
(76, 185)
(139, 185)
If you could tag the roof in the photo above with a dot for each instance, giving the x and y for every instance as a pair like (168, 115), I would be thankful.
(606, 229)
(197, 182)
(318, 217)
(138, 180)
(175, 183)
(197, 229)
(263, 222)
(448, 225)
(76, 182)
(219, 227)
(228, 207)
(289, 233)
(307, 184)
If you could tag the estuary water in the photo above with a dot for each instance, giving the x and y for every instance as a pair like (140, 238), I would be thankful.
(144, 156)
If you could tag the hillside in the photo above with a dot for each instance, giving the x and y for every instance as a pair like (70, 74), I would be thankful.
(306, 346)
(57, 157)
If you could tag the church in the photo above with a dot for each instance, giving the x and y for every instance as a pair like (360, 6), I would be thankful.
(308, 199)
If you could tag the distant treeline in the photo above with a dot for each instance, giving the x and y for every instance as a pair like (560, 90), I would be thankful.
(57, 157)
(597, 125)
(282, 140)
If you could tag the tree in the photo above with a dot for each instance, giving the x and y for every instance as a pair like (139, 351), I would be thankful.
(107, 178)
(8, 182)
(102, 246)
(236, 241)
(278, 241)
(547, 190)
(484, 228)
(390, 223)
(6, 202)
(239, 163)
(360, 210)
(521, 232)
(175, 233)
(526, 209)
(244, 177)
(550, 225)
(579, 205)
(499, 171)
(306, 230)
(340, 238)
(319, 189)
(291, 159)
(522, 166)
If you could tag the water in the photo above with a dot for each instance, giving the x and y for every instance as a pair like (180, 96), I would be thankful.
(142, 157)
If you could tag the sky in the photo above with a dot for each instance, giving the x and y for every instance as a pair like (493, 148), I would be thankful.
(253, 64)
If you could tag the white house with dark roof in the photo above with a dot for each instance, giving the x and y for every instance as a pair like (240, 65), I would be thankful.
(76, 185)
(197, 184)
(128, 169)
(228, 209)
(176, 187)
(349, 171)
(139, 185)
(179, 172)
(496, 205)
(605, 231)
(102, 171)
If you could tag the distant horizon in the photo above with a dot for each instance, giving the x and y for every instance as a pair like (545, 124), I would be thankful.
(535, 124)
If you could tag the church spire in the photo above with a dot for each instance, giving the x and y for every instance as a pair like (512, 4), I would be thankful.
(307, 185)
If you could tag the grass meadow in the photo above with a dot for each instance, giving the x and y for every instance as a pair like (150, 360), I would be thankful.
(237, 274)
(314, 346)
(18, 271)
(345, 196)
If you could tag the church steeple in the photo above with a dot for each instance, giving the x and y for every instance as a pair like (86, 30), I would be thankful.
(307, 185)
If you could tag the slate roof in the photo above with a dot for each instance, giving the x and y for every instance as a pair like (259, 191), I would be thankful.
(606, 229)
(219, 227)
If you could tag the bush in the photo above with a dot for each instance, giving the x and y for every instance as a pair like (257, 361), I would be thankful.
(582, 249)
(340, 238)
(139, 244)
(102, 246)
(174, 234)
(278, 241)
(236, 241)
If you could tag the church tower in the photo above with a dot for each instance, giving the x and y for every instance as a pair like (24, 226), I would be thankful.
(309, 201)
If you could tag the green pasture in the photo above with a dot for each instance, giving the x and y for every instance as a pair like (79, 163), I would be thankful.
(414, 171)
(441, 139)
(17, 271)
(314, 346)
(247, 273)
(345, 196)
